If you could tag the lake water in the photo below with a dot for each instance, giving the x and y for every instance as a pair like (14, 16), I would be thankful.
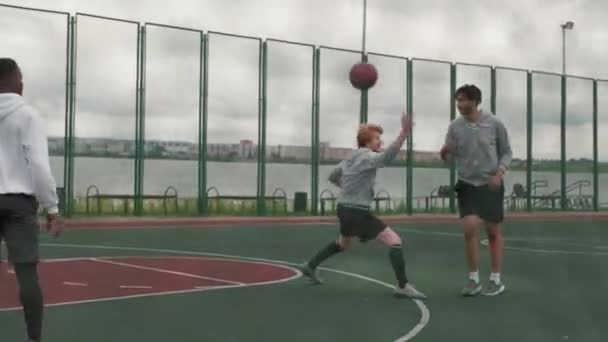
(116, 176)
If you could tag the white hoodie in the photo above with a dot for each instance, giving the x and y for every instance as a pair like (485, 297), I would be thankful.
(24, 154)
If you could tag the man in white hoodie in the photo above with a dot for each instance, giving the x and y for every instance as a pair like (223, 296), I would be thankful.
(25, 183)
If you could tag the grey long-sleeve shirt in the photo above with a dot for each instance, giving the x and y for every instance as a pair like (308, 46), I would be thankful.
(480, 148)
(356, 176)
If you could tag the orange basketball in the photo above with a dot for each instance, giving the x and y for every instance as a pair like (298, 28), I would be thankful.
(363, 76)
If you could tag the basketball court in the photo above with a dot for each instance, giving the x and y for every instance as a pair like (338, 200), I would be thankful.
(229, 282)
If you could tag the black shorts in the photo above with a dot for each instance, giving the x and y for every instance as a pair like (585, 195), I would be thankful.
(481, 201)
(359, 222)
(19, 227)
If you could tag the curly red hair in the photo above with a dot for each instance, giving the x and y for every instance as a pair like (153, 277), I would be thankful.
(365, 133)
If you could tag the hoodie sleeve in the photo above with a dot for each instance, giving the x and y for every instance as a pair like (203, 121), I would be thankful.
(36, 150)
(335, 177)
(505, 154)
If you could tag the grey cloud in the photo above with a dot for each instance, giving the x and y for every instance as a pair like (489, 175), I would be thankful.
(520, 33)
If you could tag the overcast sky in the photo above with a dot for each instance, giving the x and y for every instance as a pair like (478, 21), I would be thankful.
(518, 33)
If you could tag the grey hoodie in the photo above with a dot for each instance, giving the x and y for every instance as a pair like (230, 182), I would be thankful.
(481, 148)
(24, 154)
(356, 176)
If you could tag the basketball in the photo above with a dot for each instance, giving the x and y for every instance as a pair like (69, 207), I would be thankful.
(363, 76)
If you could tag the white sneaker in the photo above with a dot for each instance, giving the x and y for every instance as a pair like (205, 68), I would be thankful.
(409, 291)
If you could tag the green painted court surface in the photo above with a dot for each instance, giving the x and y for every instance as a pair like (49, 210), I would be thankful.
(555, 274)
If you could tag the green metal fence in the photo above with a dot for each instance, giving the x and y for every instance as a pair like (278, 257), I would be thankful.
(154, 119)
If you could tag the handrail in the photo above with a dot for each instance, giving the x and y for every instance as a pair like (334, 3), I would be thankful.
(279, 193)
(89, 189)
(167, 197)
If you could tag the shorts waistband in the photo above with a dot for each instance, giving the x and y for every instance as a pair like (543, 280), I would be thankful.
(28, 196)
(354, 206)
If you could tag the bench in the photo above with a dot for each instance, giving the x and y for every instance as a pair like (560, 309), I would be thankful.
(93, 194)
(278, 198)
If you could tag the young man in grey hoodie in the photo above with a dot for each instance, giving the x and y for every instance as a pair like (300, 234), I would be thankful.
(25, 183)
(479, 144)
(355, 177)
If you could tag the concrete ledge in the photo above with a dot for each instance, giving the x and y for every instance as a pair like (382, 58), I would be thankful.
(202, 222)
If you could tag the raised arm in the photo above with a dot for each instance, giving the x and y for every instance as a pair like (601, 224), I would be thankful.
(335, 177)
(381, 159)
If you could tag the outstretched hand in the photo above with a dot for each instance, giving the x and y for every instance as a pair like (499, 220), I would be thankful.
(407, 123)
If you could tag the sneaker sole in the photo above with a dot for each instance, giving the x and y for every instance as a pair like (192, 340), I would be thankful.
(314, 280)
(491, 294)
(404, 296)
(474, 293)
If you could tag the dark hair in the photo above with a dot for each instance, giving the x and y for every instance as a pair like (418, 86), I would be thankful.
(7, 67)
(470, 91)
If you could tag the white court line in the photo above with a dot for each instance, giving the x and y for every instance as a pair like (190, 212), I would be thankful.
(155, 269)
(135, 287)
(485, 242)
(425, 314)
(297, 274)
(71, 283)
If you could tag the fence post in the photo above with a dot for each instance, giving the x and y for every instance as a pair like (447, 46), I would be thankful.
(262, 83)
(409, 180)
(452, 117)
(363, 116)
(68, 112)
(529, 156)
(316, 67)
(493, 90)
(563, 157)
(72, 118)
(140, 120)
(596, 190)
(202, 128)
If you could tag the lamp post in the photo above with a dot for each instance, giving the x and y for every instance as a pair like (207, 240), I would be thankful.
(569, 25)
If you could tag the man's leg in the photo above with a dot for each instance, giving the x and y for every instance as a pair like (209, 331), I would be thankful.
(495, 247)
(21, 238)
(393, 241)
(471, 236)
(30, 295)
(310, 269)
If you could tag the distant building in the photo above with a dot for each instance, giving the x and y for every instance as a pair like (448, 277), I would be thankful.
(247, 149)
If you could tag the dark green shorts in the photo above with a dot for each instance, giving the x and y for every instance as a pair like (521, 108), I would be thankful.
(19, 227)
(481, 201)
(359, 222)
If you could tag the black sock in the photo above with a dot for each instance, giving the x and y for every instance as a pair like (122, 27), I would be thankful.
(398, 262)
(30, 295)
(324, 254)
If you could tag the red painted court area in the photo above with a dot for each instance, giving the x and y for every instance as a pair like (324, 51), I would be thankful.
(81, 280)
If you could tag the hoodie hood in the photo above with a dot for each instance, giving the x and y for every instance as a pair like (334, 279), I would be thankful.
(9, 104)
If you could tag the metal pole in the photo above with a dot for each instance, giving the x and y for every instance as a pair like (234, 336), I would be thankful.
(563, 49)
(137, 115)
(563, 144)
(73, 60)
(410, 142)
(596, 192)
(363, 115)
(363, 45)
(203, 133)
(264, 85)
(529, 156)
(66, 140)
(315, 128)
(452, 117)
(201, 153)
(493, 90)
